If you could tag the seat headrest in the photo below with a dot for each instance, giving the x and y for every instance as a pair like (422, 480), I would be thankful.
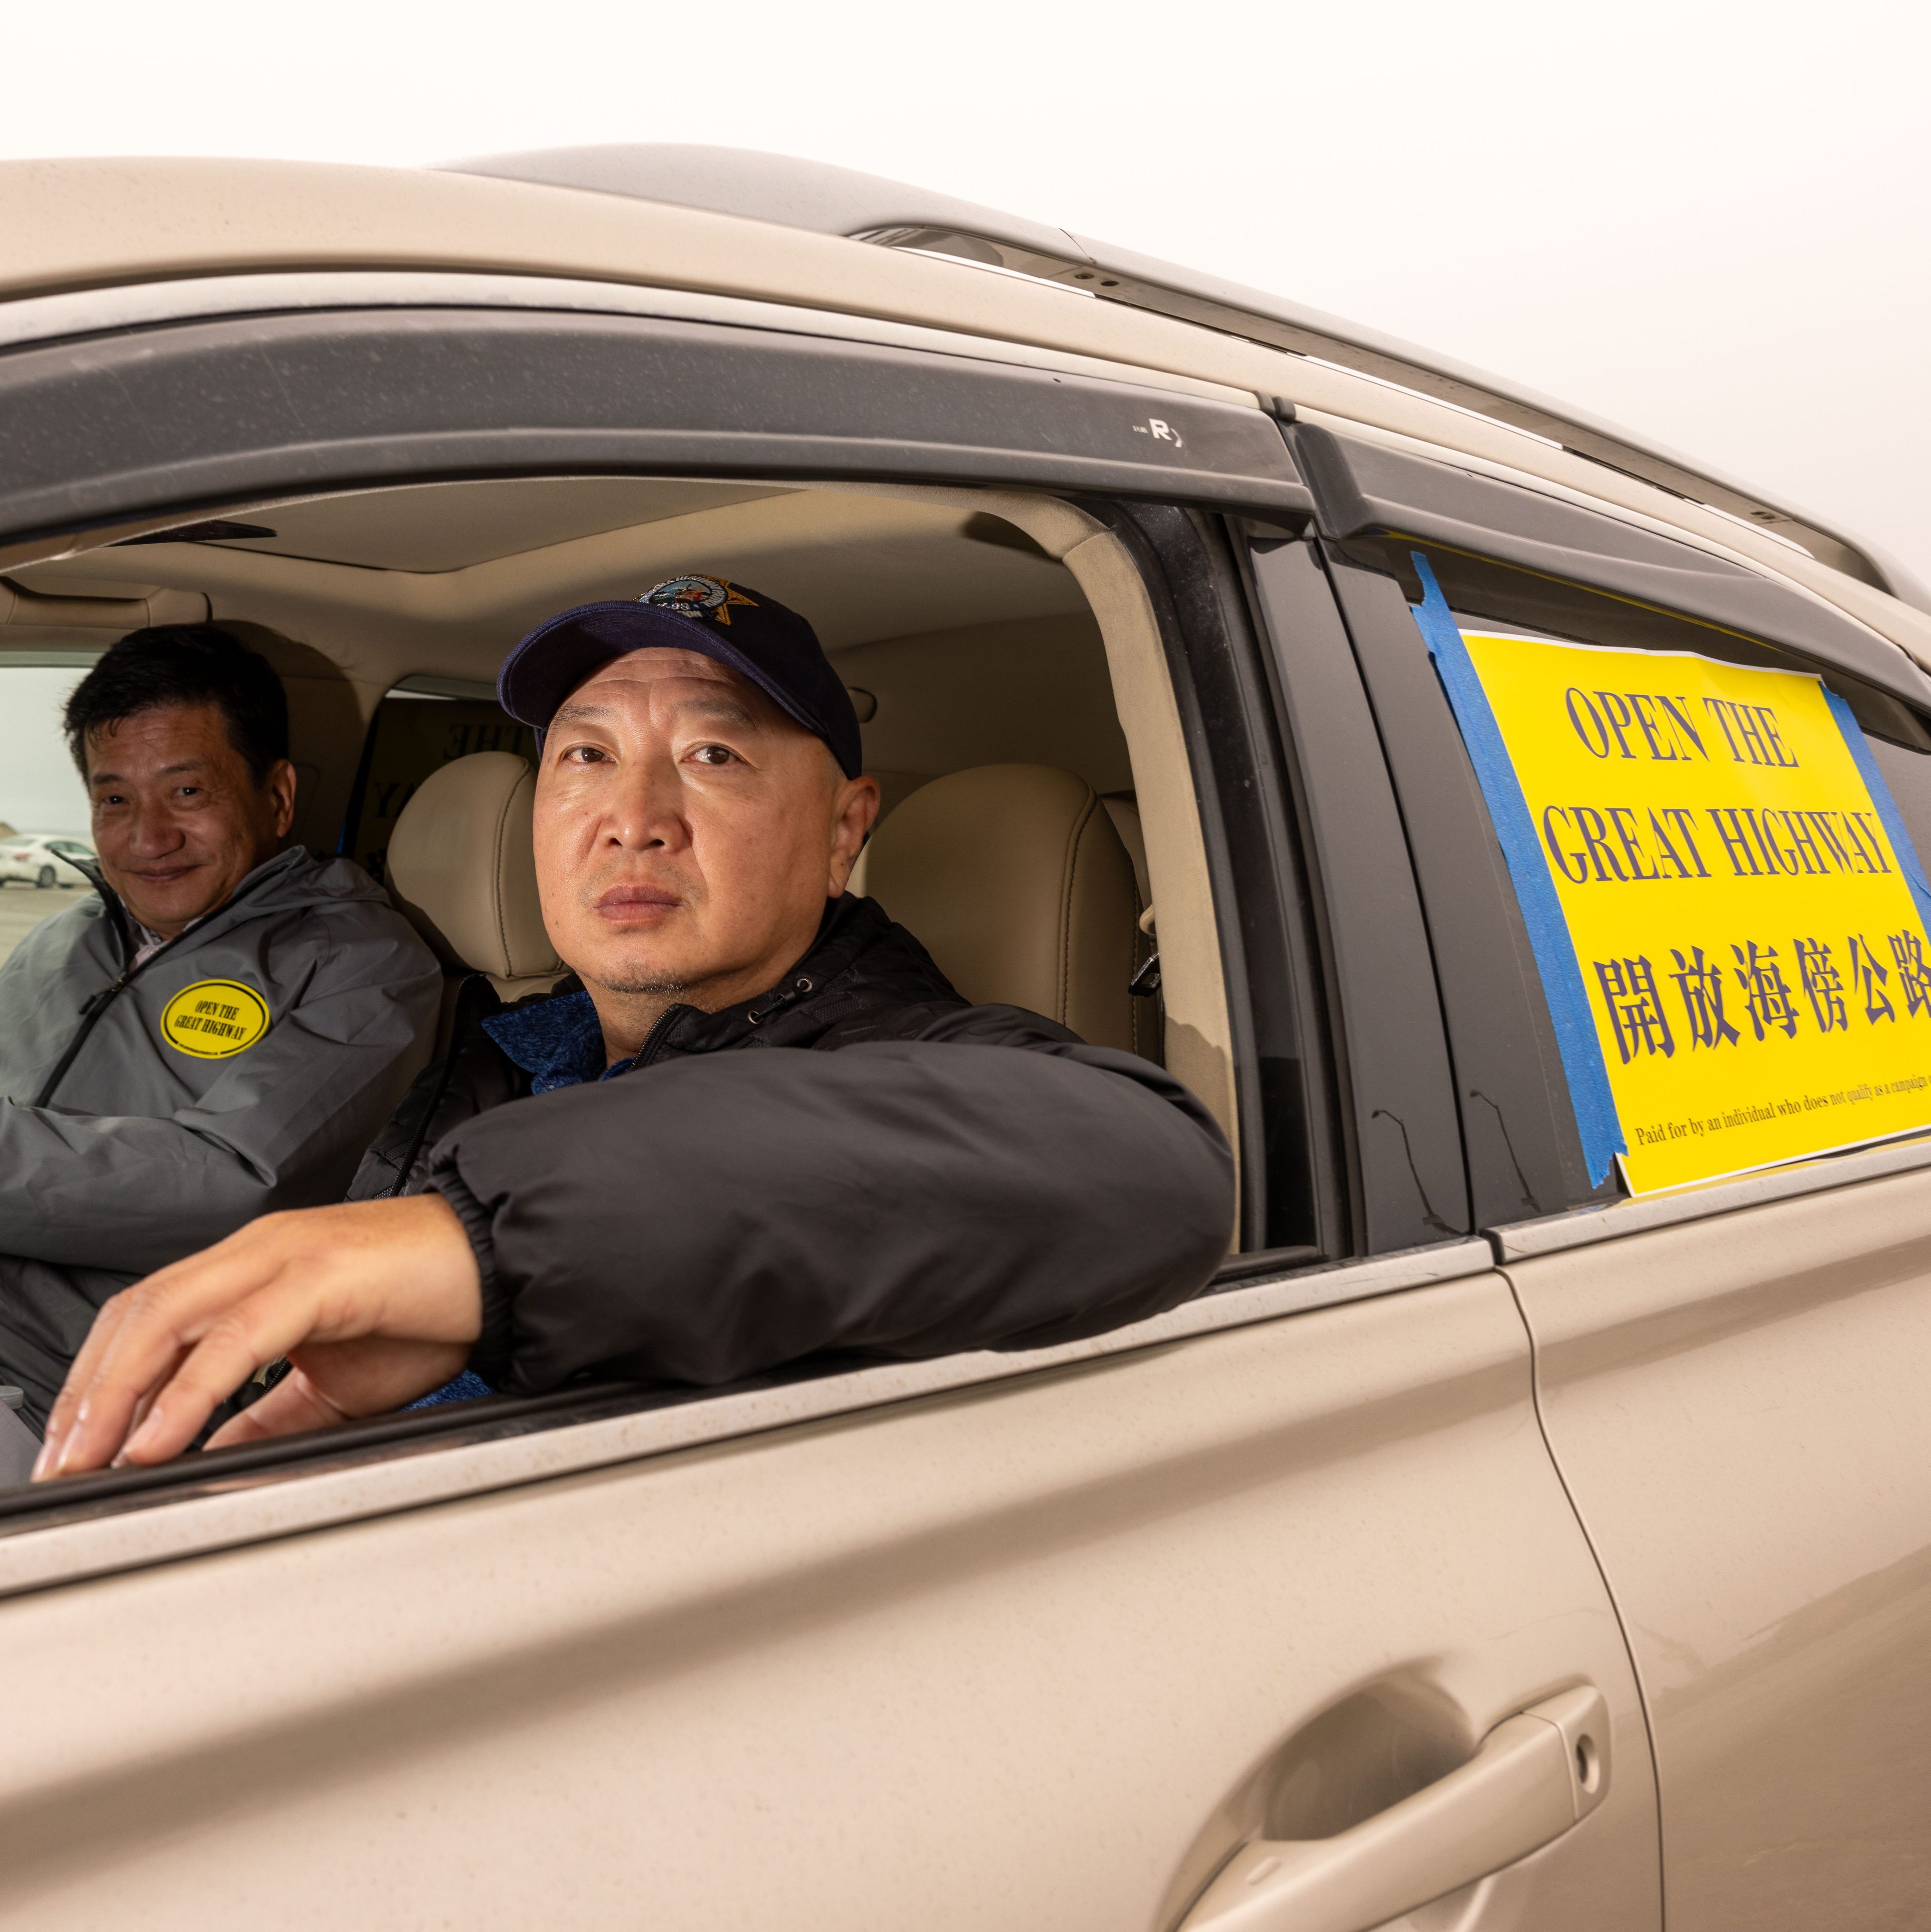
(462, 867)
(1016, 881)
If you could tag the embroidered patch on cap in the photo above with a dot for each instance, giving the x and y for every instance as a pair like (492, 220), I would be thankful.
(710, 598)
(215, 1019)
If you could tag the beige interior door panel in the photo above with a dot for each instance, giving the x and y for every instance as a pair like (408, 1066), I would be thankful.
(1045, 1652)
(1739, 1406)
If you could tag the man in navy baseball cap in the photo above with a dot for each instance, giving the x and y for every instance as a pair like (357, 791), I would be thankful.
(755, 635)
(690, 830)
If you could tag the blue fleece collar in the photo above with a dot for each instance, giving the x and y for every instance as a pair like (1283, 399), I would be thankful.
(557, 1042)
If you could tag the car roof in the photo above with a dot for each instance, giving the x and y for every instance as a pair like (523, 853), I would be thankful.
(831, 200)
(92, 224)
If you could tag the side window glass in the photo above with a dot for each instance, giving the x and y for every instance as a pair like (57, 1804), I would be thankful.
(1905, 764)
(423, 724)
(43, 805)
(1712, 844)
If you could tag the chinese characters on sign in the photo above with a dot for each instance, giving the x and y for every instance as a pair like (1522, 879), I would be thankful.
(1750, 943)
(1638, 1023)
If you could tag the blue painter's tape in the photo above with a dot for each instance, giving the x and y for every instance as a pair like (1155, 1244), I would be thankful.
(1908, 861)
(1595, 1121)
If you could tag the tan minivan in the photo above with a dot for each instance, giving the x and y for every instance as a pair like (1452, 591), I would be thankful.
(1487, 1548)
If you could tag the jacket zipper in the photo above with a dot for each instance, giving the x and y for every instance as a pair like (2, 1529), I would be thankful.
(97, 1003)
(653, 1039)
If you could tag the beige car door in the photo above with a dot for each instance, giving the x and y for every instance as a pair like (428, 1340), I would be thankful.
(1731, 1377)
(1734, 1385)
(1030, 1641)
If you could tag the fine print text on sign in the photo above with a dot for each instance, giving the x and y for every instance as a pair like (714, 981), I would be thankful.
(1751, 949)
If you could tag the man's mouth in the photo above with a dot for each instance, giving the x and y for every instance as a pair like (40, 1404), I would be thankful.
(635, 905)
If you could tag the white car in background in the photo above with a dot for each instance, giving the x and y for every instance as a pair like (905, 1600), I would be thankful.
(43, 859)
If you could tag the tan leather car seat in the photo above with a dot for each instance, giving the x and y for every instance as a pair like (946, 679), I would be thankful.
(463, 871)
(1017, 882)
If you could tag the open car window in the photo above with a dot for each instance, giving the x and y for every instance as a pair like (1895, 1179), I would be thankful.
(977, 632)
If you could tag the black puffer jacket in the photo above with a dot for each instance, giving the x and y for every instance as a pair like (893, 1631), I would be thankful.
(928, 1176)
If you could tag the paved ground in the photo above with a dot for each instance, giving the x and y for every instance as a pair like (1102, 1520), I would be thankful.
(22, 907)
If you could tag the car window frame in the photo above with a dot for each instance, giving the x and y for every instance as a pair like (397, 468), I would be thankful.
(1202, 608)
(340, 398)
(1279, 1001)
(1523, 1150)
(1395, 1076)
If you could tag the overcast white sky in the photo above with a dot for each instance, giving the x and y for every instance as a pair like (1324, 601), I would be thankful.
(40, 789)
(1707, 221)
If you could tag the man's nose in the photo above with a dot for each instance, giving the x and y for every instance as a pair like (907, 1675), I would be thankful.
(154, 831)
(648, 810)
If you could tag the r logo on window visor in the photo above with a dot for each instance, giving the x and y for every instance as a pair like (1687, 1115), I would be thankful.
(215, 1019)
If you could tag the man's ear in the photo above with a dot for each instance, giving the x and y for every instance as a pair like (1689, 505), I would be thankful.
(854, 812)
(280, 785)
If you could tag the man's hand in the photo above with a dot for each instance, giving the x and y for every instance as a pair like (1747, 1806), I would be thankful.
(374, 1303)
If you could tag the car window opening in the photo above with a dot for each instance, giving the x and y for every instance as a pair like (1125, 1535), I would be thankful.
(1040, 838)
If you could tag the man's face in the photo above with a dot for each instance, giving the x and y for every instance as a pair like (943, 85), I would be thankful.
(687, 832)
(178, 820)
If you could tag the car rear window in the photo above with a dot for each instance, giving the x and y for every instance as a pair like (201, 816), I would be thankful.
(41, 792)
(423, 724)
(1733, 979)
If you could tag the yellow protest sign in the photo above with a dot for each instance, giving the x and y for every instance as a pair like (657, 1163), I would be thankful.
(1754, 959)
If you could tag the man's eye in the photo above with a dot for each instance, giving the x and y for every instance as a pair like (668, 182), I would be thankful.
(714, 755)
(584, 754)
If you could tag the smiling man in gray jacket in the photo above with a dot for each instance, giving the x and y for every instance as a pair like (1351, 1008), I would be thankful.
(218, 1034)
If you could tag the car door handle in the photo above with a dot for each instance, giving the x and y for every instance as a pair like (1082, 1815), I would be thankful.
(1534, 1776)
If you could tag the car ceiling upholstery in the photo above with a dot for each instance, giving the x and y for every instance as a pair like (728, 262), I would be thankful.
(978, 648)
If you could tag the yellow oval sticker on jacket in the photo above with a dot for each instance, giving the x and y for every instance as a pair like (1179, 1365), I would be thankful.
(214, 1019)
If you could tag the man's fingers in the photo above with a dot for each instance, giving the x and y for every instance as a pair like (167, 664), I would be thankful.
(242, 1340)
(294, 1404)
(338, 1381)
(102, 1419)
(136, 1342)
(400, 1276)
(61, 1417)
(166, 1368)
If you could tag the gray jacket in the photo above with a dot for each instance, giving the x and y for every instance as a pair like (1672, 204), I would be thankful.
(242, 1068)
